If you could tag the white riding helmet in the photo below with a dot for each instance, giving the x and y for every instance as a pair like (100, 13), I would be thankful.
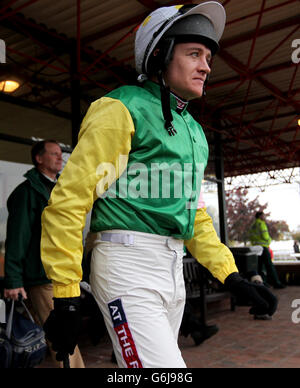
(159, 23)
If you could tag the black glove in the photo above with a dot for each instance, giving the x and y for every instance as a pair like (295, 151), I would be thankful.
(262, 300)
(63, 325)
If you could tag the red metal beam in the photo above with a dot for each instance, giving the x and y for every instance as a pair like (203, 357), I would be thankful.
(292, 81)
(255, 101)
(252, 155)
(232, 169)
(228, 95)
(106, 52)
(228, 135)
(282, 148)
(274, 27)
(241, 69)
(297, 149)
(244, 156)
(36, 60)
(284, 130)
(38, 27)
(253, 75)
(242, 128)
(235, 162)
(271, 128)
(65, 40)
(18, 9)
(278, 93)
(44, 47)
(247, 138)
(255, 36)
(134, 21)
(253, 14)
(247, 75)
(255, 120)
(276, 47)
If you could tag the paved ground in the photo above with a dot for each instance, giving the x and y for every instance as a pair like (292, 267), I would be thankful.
(241, 342)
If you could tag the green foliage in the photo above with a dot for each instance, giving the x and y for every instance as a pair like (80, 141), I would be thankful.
(296, 236)
(241, 215)
(278, 230)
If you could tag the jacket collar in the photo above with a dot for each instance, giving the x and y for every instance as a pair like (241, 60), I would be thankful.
(33, 176)
(177, 104)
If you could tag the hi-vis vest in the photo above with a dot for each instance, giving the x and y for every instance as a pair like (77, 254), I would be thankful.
(259, 234)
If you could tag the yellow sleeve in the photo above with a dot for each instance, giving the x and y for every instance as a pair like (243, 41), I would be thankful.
(207, 248)
(105, 135)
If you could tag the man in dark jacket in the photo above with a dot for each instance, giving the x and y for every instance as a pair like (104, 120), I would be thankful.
(24, 271)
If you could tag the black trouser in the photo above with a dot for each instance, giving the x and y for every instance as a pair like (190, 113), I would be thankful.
(265, 262)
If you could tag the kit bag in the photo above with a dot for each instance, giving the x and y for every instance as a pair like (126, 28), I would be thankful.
(22, 341)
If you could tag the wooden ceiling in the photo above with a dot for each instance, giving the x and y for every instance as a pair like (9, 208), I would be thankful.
(68, 53)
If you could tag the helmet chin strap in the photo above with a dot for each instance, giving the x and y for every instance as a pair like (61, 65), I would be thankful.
(166, 105)
(164, 57)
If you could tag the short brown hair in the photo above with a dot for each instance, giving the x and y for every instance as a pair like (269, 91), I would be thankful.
(39, 149)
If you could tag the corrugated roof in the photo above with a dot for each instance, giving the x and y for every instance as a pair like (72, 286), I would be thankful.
(248, 98)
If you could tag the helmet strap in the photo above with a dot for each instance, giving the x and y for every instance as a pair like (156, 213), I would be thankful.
(166, 105)
(168, 52)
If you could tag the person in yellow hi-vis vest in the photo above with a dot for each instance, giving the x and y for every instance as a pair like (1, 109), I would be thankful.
(259, 235)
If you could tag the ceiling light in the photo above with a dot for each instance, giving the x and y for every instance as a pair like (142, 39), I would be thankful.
(9, 86)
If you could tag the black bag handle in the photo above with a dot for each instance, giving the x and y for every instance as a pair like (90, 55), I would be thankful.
(11, 316)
